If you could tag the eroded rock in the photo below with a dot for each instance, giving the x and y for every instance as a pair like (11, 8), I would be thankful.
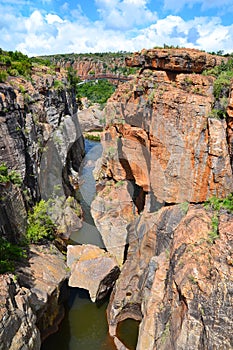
(93, 269)
(18, 330)
(113, 209)
(45, 275)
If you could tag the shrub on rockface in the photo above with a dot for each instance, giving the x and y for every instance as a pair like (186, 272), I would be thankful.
(40, 224)
(224, 75)
(9, 255)
(7, 175)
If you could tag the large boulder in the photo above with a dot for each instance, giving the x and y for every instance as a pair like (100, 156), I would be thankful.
(93, 269)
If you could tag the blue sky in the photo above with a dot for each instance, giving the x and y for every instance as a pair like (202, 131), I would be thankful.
(57, 26)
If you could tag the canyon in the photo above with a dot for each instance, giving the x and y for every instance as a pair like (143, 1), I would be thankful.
(169, 249)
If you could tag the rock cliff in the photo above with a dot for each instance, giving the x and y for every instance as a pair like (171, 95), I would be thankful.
(160, 137)
(40, 138)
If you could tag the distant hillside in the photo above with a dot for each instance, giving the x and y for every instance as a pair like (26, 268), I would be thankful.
(94, 63)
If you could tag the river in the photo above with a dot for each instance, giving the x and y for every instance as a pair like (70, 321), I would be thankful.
(85, 326)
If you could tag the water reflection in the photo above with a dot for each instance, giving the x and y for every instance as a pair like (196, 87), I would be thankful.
(84, 327)
(88, 233)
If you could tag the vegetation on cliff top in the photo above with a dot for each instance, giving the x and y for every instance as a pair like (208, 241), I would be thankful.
(224, 75)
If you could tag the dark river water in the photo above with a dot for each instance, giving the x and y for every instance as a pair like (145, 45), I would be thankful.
(85, 326)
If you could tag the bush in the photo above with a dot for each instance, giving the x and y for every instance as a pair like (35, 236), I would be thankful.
(40, 225)
(9, 254)
(9, 176)
(96, 92)
(216, 203)
(3, 76)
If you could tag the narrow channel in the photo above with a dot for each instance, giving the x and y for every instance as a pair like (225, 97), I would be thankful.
(85, 325)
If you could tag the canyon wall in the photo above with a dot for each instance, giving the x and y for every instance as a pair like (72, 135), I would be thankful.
(163, 148)
(41, 140)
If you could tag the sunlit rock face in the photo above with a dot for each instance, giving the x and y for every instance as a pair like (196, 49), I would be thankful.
(93, 269)
(161, 138)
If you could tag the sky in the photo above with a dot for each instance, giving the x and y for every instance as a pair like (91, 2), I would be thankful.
(43, 27)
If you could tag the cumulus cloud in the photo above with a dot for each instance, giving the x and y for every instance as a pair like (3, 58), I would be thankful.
(49, 33)
(125, 14)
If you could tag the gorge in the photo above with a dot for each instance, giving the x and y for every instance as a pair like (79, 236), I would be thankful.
(163, 205)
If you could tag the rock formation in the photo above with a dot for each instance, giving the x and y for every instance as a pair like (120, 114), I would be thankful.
(160, 137)
(93, 269)
(41, 139)
(33, 301)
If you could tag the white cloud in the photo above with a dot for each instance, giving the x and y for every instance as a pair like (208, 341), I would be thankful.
(125, 14)
(53, 18)
(176, 6)
(47, 33)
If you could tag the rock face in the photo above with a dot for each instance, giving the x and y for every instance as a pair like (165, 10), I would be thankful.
(41, 139)
(177, 281)
(91, 118)
(92, 269)
(175, 60)
(45, 275)
(33, 303)
(18, 328)
(165, 141)
(177, 272)
(113, 209)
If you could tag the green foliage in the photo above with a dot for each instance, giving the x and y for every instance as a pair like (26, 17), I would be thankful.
(58, 85)
(184, 207)
(96, 92)
(214, 234)
(9, 176)
(9, 254)
(72, 77)
(119, 183)
(92, 137)
(3, 76)
(223, 74)
(40, 225)
(216, 203)
(16, 63)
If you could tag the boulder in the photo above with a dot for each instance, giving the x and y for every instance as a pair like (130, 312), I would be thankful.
(93, 269)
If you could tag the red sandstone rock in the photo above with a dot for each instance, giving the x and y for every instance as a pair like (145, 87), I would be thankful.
(178, 281)
(165, 140)
(176, 60)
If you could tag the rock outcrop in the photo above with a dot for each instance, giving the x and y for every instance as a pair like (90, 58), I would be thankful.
(160, 137)
(177, 281)
(41, 139)
(175, 60)
(165, 141)
(32, 299)
(93, 269)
